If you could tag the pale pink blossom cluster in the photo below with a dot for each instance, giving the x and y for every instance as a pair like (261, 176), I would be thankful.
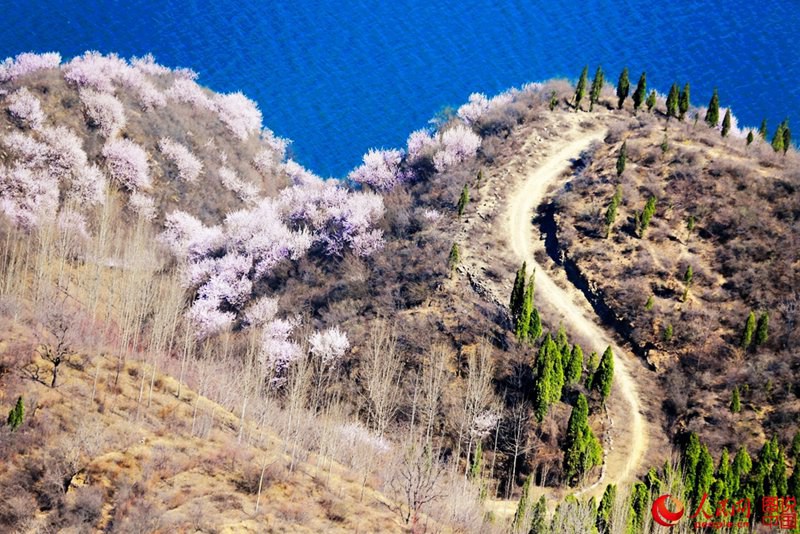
(278, 350)
(142, 205)
(240, 114)
(271, 157)
(189, 92)
(420, 143)
(262, 311)
(474, 109)
(380, 169)
(329, 345)
(189, 167)
(127, 163)
(301, 176)
(188, 238)
(73, 223)
(44, 162)
(246, 192)
(207, 319)
(26, 63)
(456, 144)
(95, 71)
(26, 108)
(103, 111)
(484, 422)
(431, 215)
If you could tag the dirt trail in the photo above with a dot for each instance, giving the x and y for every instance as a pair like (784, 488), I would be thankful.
(626, 455)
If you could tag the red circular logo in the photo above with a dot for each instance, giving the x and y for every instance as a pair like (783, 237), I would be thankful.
(662, 515)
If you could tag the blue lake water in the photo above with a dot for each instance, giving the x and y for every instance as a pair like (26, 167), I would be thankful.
(341, 77)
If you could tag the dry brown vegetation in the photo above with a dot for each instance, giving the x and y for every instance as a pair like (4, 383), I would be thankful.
(744, 253)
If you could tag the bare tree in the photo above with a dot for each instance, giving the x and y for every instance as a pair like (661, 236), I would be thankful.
(479, 400)
(433, 380)
(57, 335)
(381, 376)
(415, 478)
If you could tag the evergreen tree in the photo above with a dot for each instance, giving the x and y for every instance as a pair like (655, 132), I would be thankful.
(684, 101)
(518, 293)
(580, 89)
(650, 303)
(749, 330)
(622, 158)
(591, 369)
(736, 403)
(582, 449)
(672, 101)
(777, 139)
(597, 88)
(740, 468)
(640, 498)
(647, 214)
(544, 378)
(562, 341)
(794, 450)
(16, 415)
(574, 368)
(524, 320)
(787, 138)
(611, 211)
(794, 481)
(668, 331)
(603, 521)
(687, 280)
(558, 373)
(623, 87)
(475, 469)
(553, 101)
(455, 257)
(723, 474)
(726, 123)
(762, 329)
(539, 517)
(535, 330)
(463, 200)
(604, 375)
(712, 114)
(651, 100)
(641, 91)
(762, 130)
(522, 506)
(750, 137)
(704, 476)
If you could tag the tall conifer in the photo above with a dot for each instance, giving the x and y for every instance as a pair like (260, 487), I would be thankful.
(623, 87)
(712, 114)
(640, 93)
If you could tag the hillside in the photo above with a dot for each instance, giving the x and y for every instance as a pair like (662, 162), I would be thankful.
(189, 314)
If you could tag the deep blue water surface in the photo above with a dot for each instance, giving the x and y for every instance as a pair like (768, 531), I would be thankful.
(341, 77)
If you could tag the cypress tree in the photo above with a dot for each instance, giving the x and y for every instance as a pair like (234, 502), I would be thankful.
(578, 421)
(651, 100)
(553, 101)
(522, 506)
(794, 481)
(794, 450)
(749, 330)
(16, 414)
(604, 375)
(704, 477)
(712, 114)
(762, 130)
(603, 521)
(691, 457)
(622, 158)
(535, 329)
(668, 333)
(762, 329)
(539, 517)
(463, 200)
(557, 383)
(650, 303)
(580, 89)
(750, 137)
(475, 469)
(455, 257)
(726, 123)
(524, 320)
(639, 501)
(736, 403)
(518, 293)
(611, 211)
(684, 101)
(672, 101)
(562, 341)
(647, 214)
(641, 91)
(787, 138)
(723, 474)
(687, 280)
(777, 139)
(572, 374)
(597, 87)
(623, 87)
(543, 381)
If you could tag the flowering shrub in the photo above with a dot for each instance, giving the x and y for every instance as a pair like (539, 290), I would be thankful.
(473, 110)
(26, 196)
(240, 114)
(329, 345)
(26, 63)
(456, 145)
(103, 111)
(187, 91)
(278, 351)
(188, 238)
(380, 170)
(419, 144)
(263, 310)
(95, 71)
(127, 163)
(65, 155)
(73, 223)
(189, 167)
(245, 191)
(88, 186)
(26, 108)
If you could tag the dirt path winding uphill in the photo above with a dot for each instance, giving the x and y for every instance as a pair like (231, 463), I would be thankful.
(627, 452)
